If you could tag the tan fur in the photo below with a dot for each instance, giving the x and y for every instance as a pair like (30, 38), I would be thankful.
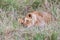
(36, 18)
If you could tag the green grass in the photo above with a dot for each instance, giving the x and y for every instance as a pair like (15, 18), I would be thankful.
(9, 4)
(54, 36)
(38, 37)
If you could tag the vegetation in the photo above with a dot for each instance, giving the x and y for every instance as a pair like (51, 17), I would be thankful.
(11, 10)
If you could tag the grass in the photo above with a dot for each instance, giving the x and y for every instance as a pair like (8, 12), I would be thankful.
(11, 10)
(38, 37)
(41, 36)
(54, 36)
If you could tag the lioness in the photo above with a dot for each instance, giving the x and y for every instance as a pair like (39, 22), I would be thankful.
(36, 18)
